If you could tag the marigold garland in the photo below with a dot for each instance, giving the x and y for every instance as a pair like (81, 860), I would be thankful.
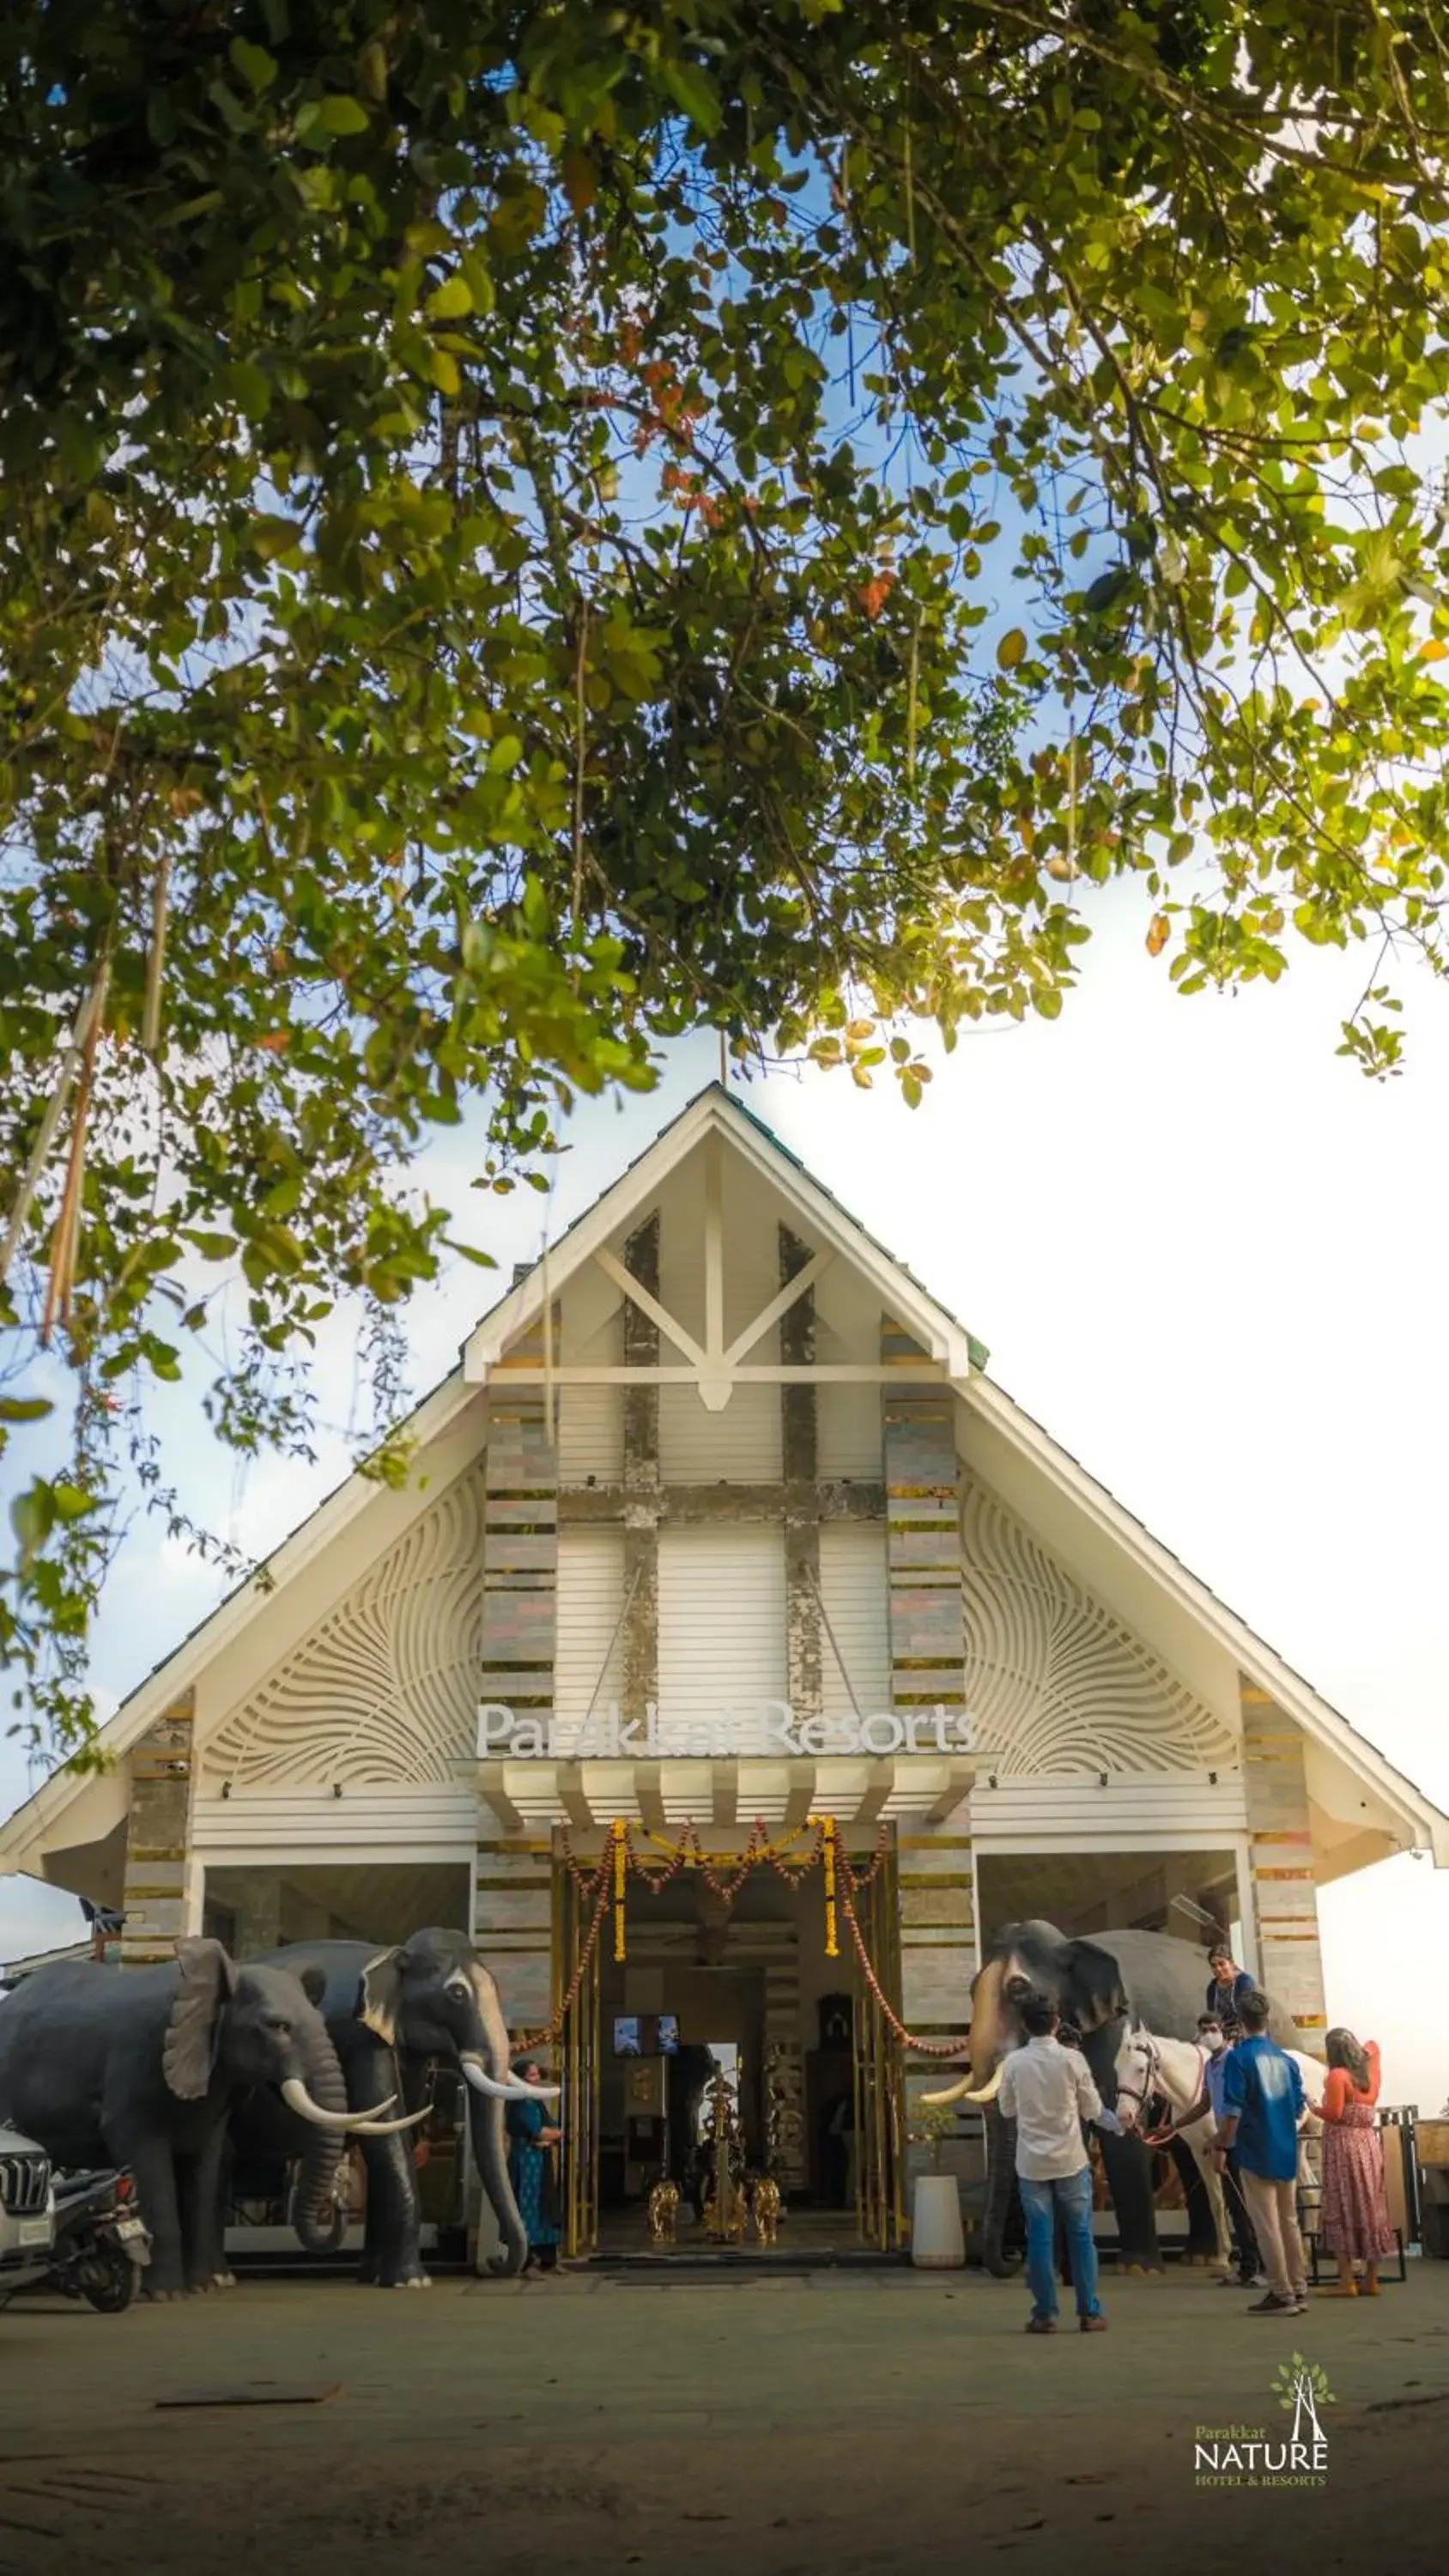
(724, 1873)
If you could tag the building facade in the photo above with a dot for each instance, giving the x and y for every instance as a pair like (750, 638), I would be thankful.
(721, 1530)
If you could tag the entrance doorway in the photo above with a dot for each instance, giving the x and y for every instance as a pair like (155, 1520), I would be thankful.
(745, 1988)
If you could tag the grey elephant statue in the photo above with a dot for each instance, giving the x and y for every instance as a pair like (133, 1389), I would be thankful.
(389, 2014)
(1100, 1987)
(140, 2067)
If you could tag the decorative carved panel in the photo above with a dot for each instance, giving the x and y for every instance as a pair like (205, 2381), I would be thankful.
(384, 1691)
(1054, 1682)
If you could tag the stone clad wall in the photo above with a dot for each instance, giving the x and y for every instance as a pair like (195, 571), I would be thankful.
(157, 1836)
(512, 1923)
(512, 1904)
(1285, 1899)
(938, 1927)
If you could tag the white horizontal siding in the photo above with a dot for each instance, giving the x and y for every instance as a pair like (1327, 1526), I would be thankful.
(398, 1825)
(848, 1434)
(853, 1588)
(590, 1434)
(722, 1626)
(739, 1446)
(1078, 1815)
(589, 1655)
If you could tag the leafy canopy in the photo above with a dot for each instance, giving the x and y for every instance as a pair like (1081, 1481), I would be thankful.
(530, 528)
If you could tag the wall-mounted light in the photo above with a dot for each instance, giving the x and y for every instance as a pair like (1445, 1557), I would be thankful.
(226, 1788)
(1101, 1779)
(336, 1788)
(1212, 1779)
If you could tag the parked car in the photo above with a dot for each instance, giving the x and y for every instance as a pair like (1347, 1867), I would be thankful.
(27, 2212)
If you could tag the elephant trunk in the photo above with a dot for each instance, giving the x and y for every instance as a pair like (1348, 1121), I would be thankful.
(1000, 2184)
(314, 2201)
(486, 2129)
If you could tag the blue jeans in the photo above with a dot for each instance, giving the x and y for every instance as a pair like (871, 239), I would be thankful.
(1041, 2201)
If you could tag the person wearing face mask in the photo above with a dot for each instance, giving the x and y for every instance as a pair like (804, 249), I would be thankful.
(1248, 2274)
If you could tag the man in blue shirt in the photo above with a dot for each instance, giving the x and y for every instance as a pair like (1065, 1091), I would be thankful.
(1263, 2102)
(1212, 2037)
(1226, 1988)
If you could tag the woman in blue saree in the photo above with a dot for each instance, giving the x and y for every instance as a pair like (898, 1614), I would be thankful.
(531, 2140)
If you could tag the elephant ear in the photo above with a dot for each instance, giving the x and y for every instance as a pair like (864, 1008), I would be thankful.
(1096, 1992)
(207, 1981)
(379, 1998)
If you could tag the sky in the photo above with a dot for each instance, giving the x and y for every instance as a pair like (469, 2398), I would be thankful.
(1202, 1251)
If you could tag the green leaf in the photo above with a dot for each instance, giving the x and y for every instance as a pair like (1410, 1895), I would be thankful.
(694, 91)
(1011, 650)
(342, 115)
(448, 301)
(32, 1517)
(257, 67)
(25, 1408)
(270, 535)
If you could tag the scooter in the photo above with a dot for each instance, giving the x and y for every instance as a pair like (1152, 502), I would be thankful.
(102, 2243)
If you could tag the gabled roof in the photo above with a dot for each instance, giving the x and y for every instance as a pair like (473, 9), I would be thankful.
(716, 1110)
(1259, 1663)
(719, 1111)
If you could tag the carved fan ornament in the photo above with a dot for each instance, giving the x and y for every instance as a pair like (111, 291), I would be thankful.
(1054, 1682)
(383, 1693)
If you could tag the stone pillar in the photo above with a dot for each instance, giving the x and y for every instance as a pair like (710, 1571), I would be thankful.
(1285, 1897)
(938, 1959)
(924, 1535)
(799, 1453)
(512, 1913)
(513, 1923)
(938, 1923)
(158, 1832)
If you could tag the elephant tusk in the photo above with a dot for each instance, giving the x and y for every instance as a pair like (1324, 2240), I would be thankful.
(962, 2092)
(386, 2128)
(988, 2092)
(515, 2090)
(298, 2099)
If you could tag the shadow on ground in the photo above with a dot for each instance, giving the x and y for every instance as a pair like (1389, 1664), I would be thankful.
(768, 2428)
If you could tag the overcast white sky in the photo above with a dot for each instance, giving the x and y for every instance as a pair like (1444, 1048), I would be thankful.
(1203, 1252)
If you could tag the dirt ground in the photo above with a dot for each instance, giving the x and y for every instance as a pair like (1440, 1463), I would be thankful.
(855, 2422)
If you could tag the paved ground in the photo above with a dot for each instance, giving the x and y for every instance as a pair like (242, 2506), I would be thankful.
(855, 2422)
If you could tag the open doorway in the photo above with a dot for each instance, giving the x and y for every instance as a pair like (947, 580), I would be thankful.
(747, 1990)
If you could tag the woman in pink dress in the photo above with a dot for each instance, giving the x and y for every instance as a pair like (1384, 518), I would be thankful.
(1355, 2215)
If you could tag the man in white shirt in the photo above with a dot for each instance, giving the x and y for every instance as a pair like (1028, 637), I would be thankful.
(1048, 2091)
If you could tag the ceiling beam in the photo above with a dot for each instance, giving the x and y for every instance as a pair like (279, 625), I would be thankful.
(828, 1498)
(491, 1787)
